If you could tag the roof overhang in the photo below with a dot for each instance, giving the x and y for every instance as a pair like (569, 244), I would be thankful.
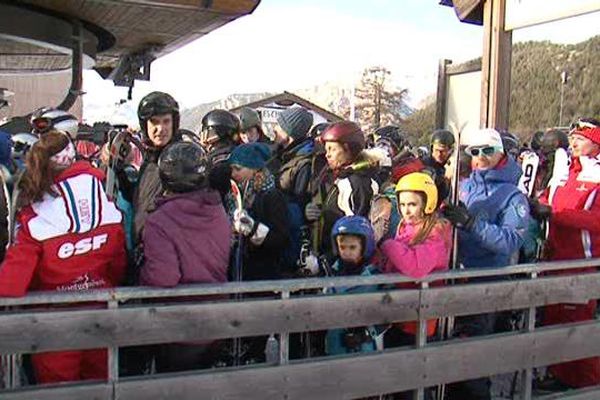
(37, 35)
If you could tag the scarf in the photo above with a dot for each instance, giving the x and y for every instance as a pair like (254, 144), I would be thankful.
(262, 181)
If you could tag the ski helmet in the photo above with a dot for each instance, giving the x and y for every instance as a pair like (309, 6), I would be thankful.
(157, 103)
(510, 143)
(22, 142)
(223, 123)
(358, 226)
(554, 139)
(392, 135)
(189, 136)
(423, 183)
(346, 132)
(48, 119)
(183, 167)
(536, 141)
(422, 151)
(317, 130)
(442, 136)
(249, 118)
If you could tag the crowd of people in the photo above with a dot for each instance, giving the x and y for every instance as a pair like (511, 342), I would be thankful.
(324, 199)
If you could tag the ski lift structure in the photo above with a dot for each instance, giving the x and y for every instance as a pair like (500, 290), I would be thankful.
(119, 39)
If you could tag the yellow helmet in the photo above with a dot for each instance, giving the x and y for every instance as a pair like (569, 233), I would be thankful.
(420, 182)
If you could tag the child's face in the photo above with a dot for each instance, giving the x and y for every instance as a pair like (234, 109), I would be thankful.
(350, 248)
(411, 207)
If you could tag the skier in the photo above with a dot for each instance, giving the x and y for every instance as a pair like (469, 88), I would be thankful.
(158, 114)
(421, 245)
(70, 239)
(346, 187)
(492, 220)
(391, 140)
(573, 206)
(441, 149)
(293, 168)
(251, 129)
(219, 136)
(354, 246)
(187, 214)
(263, 220)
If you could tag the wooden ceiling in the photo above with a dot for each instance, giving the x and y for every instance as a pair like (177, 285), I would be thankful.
(121, 27)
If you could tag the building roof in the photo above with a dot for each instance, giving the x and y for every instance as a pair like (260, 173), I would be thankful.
(286, 99)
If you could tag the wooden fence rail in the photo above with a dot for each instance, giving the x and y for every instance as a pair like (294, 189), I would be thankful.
(30, 331)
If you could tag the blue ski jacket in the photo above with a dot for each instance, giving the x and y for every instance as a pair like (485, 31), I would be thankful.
(501, 215)
(334, 340)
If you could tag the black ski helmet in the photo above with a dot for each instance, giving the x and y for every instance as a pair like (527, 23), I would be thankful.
(442, 136)
(510, 143)
(157, 103)
(536, 141)
(318, 129)
(554, 139)
(183, 167)
(224, 123)
(391, 134)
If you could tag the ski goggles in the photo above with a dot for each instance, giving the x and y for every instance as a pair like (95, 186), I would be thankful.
(482, 151)
(45, 124)
(581, 125)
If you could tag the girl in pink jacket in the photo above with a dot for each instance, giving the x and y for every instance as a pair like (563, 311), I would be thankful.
(422, 244)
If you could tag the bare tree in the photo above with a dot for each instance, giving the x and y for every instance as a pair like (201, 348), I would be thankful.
(378, 103)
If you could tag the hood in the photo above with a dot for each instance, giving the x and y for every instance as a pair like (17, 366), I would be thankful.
(189, 209)
(303, 147)
(508, 171)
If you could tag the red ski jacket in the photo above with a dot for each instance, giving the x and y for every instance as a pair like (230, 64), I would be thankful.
(72, 242)
(575, 222)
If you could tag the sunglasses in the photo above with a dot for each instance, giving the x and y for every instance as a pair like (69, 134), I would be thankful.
(483, 151)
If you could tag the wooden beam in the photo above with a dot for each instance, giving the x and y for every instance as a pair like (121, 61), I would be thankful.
(43, 331)
(496, 67)
(85, 329)
(361, 375)
(441, 99)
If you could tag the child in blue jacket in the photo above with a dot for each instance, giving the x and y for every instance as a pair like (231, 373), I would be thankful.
(354, 244)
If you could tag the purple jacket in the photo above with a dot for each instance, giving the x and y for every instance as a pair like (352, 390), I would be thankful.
(186, 240)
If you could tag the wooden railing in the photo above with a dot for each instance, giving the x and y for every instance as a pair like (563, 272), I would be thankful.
(26, 327)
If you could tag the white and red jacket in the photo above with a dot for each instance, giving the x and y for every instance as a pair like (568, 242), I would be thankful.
(575, 222)
(72, 242)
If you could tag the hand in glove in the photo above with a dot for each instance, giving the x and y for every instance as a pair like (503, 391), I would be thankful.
(312, 212)
(243, 223)
(539, 211)
(458, 216)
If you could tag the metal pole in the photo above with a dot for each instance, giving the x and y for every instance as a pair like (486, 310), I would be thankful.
(563, 80)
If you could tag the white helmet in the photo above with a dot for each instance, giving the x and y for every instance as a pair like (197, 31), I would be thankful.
(22, 142)
(55, 119)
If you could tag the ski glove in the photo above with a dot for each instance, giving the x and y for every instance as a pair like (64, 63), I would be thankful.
(458, 216)
(539, 211)
(312, 212)
(244, 224)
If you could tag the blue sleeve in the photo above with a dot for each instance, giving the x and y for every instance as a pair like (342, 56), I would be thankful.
(507, 236)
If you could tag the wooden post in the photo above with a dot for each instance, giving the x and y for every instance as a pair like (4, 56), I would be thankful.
(495, 66)
(442, 95)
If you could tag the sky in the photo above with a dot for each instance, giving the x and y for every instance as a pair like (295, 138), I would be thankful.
(288, 45)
